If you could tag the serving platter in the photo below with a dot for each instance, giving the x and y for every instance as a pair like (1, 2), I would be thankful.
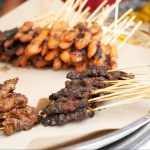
(40, 83)
(36, 84)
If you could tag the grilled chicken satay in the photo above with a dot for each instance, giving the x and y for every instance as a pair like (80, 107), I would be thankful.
(58, 47)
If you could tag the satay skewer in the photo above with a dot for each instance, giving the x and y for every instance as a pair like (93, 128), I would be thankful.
(121, 103)
(127, 95)
(131, 67)
(122, 92)
(131, 33)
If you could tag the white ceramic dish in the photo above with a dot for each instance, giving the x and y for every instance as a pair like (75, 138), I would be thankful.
(36, 84)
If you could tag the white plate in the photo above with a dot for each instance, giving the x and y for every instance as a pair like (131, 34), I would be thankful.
(36, 84)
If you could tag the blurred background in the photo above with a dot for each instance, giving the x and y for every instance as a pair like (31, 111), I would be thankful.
(141, 11)
(141, 7)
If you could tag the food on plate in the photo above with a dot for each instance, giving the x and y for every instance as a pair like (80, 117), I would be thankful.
(56, 47)
(72, 102)
(76, 40)
(15, 114)
(84, 93)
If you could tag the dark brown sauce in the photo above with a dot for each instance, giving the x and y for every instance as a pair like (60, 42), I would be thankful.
(82, 139)
(42, 103)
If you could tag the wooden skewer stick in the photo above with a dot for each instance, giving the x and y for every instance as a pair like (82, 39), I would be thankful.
(119, 20)
(97, 10)
(73, 21)
(130, 23)
(127, 95)
(66, 15)
(129, 36)
(116, 22)
(108, 37)
(43, 17)
(2, 128)
(106, 14)
(76, 4)
(133, 67)
(122, 92)
(112, 87)
(121, 28)
(99, 15)
(62, 9)
(84, 13)
(128, 101)
(116, 88)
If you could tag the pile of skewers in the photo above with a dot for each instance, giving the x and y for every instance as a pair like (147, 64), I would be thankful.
(79, 40)
(95, 89)
(86, 92)
(76, 39)
(15, 114)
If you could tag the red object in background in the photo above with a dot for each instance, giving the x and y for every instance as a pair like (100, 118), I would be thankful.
(95, 3)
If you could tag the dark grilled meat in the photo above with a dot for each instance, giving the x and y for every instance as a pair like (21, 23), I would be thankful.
(63, 118)
(71, 103)
(16, 100)
(15, 115)
(7, 87)
(20, 119)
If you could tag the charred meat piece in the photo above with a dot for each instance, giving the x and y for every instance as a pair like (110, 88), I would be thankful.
(16, 100)
(64, 107)
(7, 87)
(15, 114)
(71, 103)
(96, 71)
(20, 119)
(63, 118)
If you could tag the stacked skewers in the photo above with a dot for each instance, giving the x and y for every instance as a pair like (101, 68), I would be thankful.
(86, 92)
(79, 40)
(75, 40)
(15, 114)
(95, 89)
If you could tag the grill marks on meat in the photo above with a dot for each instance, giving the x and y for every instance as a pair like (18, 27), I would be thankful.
(58, 47)
(15, 115)
(71, 103)
(16, 100)
(7, 87)
(95, 71)
(63, 118)
(64, 107)
(20, 119)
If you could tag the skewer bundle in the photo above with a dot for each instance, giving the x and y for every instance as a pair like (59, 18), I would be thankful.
(15, 114)
(86, 92)
(95, 89)
(69, 39)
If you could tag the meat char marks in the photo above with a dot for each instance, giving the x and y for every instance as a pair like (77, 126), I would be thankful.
(15, 114)
(71, 103)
